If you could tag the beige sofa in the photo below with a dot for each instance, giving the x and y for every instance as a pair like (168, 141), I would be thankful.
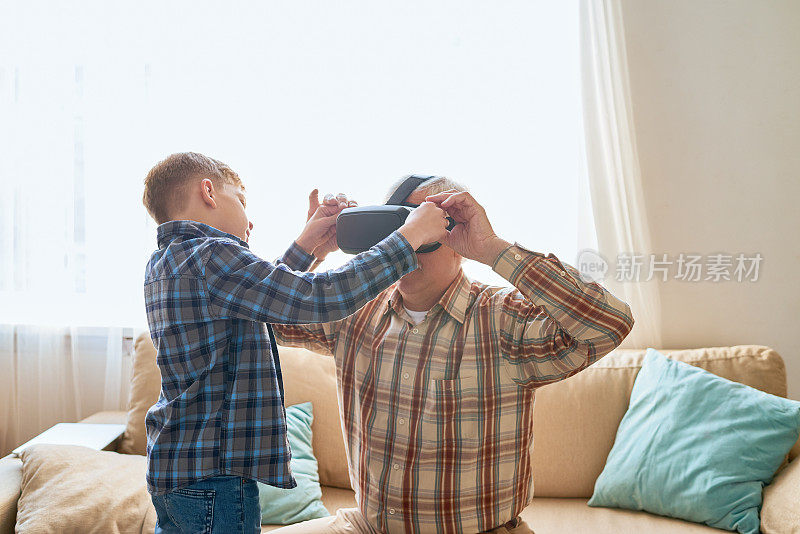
(575, 424)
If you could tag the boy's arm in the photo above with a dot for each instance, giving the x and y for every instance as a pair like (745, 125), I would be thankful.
(297, 259)
(555, 324)
(317, 337)
(239, 284)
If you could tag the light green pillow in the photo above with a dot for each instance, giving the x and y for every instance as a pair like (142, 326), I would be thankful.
(696, 446)
(288, 506)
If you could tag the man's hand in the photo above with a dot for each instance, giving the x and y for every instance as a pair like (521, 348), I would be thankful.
(319, 235)
(473, 236)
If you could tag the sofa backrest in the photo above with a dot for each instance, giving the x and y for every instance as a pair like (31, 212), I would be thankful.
(576, 420)
(307, 376)
(311, 377)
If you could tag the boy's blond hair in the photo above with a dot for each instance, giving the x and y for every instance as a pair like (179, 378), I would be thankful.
(165, 184)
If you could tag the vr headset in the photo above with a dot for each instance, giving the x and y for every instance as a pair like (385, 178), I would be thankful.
(359, 229)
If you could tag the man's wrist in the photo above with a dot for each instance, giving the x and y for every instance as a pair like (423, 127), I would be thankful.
(493, 250)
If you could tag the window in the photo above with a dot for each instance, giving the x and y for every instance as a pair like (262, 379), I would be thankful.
(343, 96)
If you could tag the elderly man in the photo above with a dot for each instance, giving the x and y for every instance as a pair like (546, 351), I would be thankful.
(437, 376)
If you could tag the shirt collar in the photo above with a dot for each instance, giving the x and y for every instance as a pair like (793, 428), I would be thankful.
(170, 230)
(454, 301)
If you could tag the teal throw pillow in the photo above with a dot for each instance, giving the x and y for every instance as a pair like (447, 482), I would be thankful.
(288, 506)
(696, 446)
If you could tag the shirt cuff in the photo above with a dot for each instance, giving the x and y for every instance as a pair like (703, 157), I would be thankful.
(514, 260)
(401, 252)
(296, 258)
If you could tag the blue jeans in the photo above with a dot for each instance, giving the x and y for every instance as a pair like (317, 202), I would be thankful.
(214, 505)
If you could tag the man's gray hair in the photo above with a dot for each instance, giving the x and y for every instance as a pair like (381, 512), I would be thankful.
(431, 187)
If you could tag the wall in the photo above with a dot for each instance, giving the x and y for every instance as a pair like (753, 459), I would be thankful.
(715, 88)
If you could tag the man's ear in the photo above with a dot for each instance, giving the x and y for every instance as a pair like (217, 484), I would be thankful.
(208, 193)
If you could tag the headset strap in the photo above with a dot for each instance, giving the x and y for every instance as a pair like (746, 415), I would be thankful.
(400, 195)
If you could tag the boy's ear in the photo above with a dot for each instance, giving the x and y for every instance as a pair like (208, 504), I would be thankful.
(208, 193)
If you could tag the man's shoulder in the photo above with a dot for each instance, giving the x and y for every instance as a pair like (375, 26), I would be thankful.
(486, 290)
(484, 295)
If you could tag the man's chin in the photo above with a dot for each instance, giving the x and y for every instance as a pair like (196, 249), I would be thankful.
(411, 282)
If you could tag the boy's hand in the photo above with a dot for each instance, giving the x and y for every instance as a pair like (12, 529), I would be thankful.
(319, 235)
(426, 224)
(473, 236)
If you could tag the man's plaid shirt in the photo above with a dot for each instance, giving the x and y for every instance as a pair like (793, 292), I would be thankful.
(438, 416)
(209, 301)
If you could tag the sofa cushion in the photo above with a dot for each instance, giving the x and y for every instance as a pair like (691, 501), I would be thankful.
(144, 392)
(332, 498)
(557, 516)
(311, 377)
(696, 446)
(67, 488)
(780, 512)
(576, 420)
(10, 484)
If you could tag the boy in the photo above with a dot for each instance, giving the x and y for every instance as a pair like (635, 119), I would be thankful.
(219, 423)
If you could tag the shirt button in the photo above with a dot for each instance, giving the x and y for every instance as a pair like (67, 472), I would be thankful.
(517, 257)
(402, 421)
(391, 511)
(405, 376)
(416, 331)
(563, 273)
(396, 467)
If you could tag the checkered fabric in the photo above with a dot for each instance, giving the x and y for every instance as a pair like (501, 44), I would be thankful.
(209, 302)
(438, 416)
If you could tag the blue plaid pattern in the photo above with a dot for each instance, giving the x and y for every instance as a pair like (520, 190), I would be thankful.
(209, 302)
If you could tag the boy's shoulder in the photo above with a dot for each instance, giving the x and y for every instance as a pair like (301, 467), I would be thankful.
(189, 257)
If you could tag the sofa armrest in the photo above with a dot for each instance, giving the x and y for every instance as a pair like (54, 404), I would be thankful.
(95, 436)
(10, 489)
(119, 418)
(780, 511)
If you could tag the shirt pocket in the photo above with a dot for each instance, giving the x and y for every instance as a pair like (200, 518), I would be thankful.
(452, 417)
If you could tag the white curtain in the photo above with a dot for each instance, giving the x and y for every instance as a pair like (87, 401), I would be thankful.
(59, 375)
(612, 164)
(293, 95)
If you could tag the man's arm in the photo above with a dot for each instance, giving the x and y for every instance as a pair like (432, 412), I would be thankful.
(319, 337)
(553, 324)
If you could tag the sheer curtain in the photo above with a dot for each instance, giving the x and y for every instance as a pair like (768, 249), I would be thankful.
(293, 95)
(59, 374)
(612, 164)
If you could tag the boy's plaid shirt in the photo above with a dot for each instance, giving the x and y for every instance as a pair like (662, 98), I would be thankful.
(209, 301)
(438, 417)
